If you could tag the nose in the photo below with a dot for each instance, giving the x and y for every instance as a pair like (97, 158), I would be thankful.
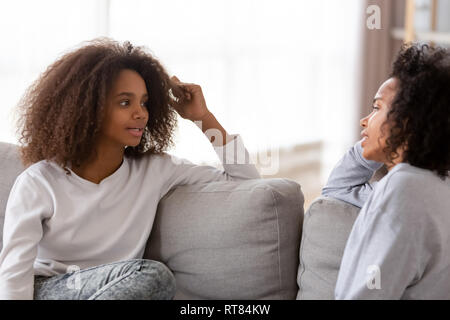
(363, 122)
(139, 116)
(141, 113)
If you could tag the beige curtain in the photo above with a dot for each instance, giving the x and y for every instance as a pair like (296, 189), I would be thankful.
(379, 49)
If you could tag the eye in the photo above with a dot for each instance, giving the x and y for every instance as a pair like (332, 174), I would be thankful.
(124, 101)
(375, 107)
(145, 104)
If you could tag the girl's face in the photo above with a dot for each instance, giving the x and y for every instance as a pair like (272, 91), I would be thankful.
(375, 133)
(126, 109)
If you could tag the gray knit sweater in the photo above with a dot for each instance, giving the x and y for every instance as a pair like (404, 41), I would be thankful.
(399, 246)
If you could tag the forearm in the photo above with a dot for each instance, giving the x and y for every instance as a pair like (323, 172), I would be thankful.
(349, 180)
(213, 130)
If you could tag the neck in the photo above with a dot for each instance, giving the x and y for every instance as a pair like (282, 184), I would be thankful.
(101, 165)
(396, 161)
(390, 165)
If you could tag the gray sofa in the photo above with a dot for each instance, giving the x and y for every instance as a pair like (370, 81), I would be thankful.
(238, 240)
(326, 227)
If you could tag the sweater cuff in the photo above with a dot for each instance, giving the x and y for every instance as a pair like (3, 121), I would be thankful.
(234, 152)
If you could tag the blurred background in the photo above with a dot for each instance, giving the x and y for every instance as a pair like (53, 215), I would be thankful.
(292, 77)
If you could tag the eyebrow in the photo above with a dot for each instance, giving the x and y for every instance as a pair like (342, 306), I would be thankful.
(375, 99)
(130, 94)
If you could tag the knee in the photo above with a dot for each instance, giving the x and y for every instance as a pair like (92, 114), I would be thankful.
(159, 278)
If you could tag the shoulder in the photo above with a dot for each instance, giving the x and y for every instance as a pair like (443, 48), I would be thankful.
(43, 170)
(409, 180)
(408, 191)
(33, 182)
(41, 176)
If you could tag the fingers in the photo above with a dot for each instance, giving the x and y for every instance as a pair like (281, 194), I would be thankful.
(189, 86)
(191, 90)
(177, 81)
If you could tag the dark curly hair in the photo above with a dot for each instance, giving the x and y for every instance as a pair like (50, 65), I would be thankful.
(61, 113)
(419, 118)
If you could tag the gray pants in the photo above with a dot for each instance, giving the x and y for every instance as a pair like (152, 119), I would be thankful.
(136, 279)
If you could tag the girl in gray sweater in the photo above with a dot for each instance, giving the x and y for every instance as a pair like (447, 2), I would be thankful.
(399, 246)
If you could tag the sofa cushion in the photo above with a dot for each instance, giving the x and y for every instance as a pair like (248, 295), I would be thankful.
(231, 240)
(11, 167)
(326, 228)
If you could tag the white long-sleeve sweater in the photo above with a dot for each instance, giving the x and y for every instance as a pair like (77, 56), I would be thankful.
(55, 221)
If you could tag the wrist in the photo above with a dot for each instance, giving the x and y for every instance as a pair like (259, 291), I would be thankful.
(205, 117)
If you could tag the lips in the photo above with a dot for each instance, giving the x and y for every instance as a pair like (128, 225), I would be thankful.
(137, 132)
(365, 137)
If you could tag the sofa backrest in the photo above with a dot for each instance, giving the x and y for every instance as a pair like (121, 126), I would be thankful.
(231, 240)
(326, 228)
(10, 168)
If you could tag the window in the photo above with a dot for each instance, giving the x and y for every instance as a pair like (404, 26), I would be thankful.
(280, 73)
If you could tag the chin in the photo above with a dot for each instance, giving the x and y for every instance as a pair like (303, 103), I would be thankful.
(133, 142)
(373, 155)
(366, 155)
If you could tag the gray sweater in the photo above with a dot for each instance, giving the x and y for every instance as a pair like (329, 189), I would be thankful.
(399, 246)
(349, 180)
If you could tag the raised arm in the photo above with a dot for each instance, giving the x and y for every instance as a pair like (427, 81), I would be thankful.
(229, 147)
(349, 180)
(195, 109)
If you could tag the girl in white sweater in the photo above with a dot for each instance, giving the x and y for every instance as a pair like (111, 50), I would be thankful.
(94, 129)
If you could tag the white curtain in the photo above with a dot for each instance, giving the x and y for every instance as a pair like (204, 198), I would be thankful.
(280, 73)
(33, 34)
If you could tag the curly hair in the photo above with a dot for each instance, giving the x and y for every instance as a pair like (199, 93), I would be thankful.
(419, 118)
(61, 113)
